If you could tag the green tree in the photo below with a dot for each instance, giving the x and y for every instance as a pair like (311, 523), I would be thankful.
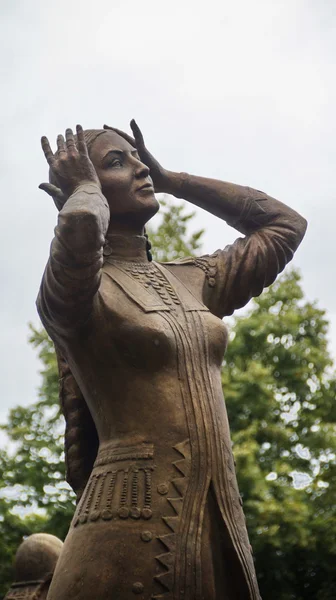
(171, 240)
(280, 393)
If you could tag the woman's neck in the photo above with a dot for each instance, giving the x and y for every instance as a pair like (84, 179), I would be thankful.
(126, 247)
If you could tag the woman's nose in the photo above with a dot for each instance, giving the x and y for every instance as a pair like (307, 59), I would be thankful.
(141, 170)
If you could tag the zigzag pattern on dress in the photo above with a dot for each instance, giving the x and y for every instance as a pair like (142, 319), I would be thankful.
(167, 558)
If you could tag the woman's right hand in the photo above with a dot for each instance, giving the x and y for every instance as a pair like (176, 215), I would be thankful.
(158, 174)
(71, 165)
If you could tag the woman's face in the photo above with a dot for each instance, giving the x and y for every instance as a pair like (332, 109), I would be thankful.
(125, 180)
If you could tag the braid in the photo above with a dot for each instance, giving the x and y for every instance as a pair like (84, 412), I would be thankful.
(148, 247)
(81, 438)
(90, 136)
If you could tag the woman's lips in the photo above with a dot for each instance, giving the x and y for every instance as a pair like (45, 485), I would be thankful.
(146, 186)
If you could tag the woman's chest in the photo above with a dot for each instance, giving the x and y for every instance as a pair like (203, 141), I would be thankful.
(147, 320)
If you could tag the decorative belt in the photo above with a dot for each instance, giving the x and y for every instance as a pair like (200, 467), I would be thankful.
(113, 453)
(122, 490)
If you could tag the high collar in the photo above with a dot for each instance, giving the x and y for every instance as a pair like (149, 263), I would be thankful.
(126, 248)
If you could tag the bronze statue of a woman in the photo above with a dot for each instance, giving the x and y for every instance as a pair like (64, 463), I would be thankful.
(140, 347)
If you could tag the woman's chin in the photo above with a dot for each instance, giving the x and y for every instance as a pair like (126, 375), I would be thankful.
(141, 210)
(147, 204)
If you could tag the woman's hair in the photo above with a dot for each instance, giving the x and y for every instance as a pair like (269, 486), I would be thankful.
(81, 438)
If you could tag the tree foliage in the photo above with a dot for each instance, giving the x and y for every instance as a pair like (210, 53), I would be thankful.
(279, 386)
(171, 240)
(280, 393)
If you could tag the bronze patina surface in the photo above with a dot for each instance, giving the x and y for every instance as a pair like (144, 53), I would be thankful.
(34, 565)
(140, 347)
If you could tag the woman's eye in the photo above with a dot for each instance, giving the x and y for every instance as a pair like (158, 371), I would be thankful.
(114, 163)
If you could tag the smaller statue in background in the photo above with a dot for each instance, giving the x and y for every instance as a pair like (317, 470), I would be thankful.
(34, 566)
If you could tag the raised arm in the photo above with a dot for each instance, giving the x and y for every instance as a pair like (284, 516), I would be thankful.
(242, 270)
(273, 232)
(72, 275)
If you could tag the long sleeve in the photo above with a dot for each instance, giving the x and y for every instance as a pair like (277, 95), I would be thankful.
(243, 269)
(72, 275)
(273, 232)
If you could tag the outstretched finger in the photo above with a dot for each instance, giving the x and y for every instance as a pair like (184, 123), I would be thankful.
(122, 134)
(52, 190)
(137, 133)
(55, 192)
(81, 144)
(47, 150)
(60, 143)
(70, 140)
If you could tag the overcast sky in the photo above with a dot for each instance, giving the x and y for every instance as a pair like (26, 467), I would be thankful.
(239, 90)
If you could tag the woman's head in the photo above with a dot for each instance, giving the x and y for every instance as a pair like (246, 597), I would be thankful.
(125, 180)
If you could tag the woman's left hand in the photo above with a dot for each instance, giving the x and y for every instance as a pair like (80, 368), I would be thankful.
(158, 174)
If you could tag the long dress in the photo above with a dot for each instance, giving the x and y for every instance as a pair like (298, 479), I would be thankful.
(161, 516)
